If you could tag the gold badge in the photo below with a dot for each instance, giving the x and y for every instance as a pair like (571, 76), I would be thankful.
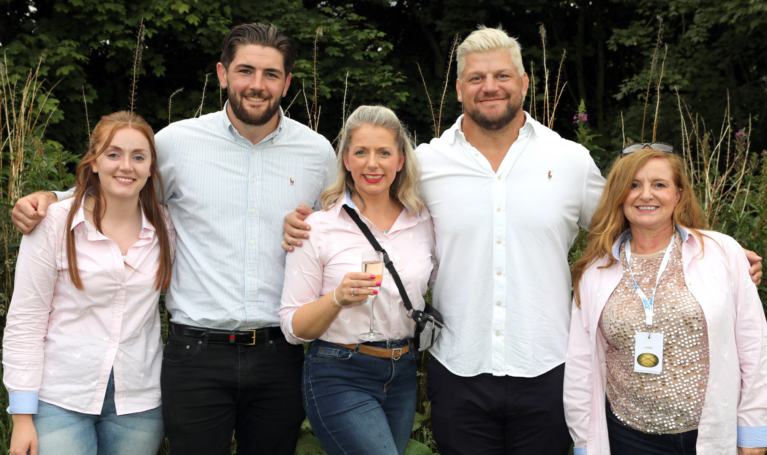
(647, 360)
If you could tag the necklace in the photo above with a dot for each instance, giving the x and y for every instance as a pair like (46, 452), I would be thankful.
(391, 207)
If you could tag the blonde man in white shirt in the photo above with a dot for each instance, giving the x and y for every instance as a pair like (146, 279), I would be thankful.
(507, 196)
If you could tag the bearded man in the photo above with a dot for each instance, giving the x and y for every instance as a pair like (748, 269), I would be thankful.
(230, 178)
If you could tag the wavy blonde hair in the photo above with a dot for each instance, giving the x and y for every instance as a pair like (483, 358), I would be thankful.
(486, 39)
(405, 185)
(609, 221)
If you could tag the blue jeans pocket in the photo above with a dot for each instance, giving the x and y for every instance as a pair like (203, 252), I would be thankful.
(327, 353)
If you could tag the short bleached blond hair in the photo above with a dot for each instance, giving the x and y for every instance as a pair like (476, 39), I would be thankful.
(489, 40)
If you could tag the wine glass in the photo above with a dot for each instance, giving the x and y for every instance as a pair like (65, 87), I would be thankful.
(372, 263)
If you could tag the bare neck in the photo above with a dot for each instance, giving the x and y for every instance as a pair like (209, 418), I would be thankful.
(254, 134)
(118, 211)
(493, 144)
(380, 203)
(649, 241)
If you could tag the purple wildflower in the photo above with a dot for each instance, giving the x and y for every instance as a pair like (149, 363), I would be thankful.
(580, 118)
(740, 133)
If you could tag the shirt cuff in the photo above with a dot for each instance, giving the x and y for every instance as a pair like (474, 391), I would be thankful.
(290, 335)
(579, 451)
(752, 437)
(22, 403)
(64, 194)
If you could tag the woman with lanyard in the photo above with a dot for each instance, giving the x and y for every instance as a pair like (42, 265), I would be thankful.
(82, 348)
(668, 340)
(360, 397)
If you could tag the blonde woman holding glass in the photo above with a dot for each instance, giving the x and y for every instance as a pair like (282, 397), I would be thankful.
(360, 396)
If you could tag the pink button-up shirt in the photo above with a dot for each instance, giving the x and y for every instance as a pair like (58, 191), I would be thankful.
(61, 344)
(735, 407)
(335, 248)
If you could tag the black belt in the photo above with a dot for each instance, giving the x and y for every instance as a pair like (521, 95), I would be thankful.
(246, 337)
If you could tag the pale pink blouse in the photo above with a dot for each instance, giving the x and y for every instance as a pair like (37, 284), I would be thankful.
(335, 248)
(61, 344)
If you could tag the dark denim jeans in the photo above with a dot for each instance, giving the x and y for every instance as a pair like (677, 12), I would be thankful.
(210, 391)
(625, 440)
(360, 404)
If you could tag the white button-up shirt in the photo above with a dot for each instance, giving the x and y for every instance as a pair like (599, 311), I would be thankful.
(503, 238)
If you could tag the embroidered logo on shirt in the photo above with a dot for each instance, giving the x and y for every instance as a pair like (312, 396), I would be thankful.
(549, 173)
(292, 182)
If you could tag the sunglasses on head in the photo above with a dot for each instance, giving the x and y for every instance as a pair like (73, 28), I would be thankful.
(657, 146)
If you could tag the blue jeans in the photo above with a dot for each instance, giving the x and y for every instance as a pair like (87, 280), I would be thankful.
(64, 432)
(360, 404)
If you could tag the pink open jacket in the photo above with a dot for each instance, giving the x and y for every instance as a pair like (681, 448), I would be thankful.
(735, 408)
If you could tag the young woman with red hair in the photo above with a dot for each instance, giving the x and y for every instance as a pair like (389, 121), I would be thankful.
(82, 347)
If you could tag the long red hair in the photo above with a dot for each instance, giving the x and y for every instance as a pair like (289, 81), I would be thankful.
(609, 221)
(88, 183)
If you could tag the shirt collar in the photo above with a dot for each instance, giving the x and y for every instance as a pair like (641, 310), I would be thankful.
(410, 219)
(227, 123)
(79, 218)
(456, 132)
(683, 232)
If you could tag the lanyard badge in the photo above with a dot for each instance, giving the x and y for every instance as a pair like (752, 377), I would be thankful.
(648, 347)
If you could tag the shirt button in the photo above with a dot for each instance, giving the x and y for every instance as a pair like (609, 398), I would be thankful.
(250, 273)
(498, 209)
(476, 154)
(252, 211)
(498, 241)
(252, 242)
(499, 177)
(497, 334)
(498, 273)
(498, 303)
(122, 286)
(250, 303)
(253, 180)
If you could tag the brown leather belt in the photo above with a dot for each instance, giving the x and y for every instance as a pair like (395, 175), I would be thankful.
(383, 353)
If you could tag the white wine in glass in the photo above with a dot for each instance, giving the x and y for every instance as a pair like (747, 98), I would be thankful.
(372, 263)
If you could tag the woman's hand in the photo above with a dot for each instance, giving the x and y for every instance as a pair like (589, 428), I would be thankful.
(24, 436)
(750, 451)
(356, 282)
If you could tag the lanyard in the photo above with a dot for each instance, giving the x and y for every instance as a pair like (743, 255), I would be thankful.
(649, 303)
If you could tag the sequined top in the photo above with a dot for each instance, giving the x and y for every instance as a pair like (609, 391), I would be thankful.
(670, 402)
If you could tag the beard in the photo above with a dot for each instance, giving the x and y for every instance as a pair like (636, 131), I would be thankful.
(243, 115)
(500, 121)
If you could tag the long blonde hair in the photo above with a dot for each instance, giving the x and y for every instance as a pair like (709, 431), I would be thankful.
(404, 189)
(609, 221)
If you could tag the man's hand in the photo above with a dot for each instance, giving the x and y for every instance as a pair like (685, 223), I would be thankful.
(756, 268)
(295, 228)
(24, 436)
(30, 210)
(748, 451)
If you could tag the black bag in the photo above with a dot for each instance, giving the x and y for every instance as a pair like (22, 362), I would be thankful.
(428, 323)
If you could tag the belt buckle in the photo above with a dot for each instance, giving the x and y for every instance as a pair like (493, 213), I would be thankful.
(254, 337)
(398, 351)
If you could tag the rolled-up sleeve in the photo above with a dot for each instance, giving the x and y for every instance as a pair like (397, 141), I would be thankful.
(27, 322)
(303, 280)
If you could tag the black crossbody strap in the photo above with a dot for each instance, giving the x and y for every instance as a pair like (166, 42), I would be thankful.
(387, 262)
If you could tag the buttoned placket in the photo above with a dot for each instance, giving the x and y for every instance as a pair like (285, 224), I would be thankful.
(117, 296)
(499, 190)
(253, 216)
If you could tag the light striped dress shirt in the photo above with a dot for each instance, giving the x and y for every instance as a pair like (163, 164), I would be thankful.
(228, 199)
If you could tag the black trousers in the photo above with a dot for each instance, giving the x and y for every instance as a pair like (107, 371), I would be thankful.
(625, 440)
(488, 414)
(211, 390)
